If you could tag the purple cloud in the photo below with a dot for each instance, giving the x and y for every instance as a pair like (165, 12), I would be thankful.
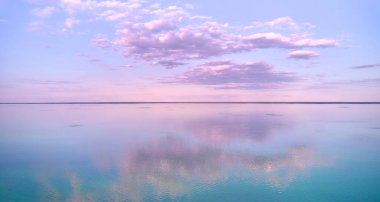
(176, 37)
(169, 64)
(186, 43)
(168, 42)
(226, 74)
(302, 54)
(366, 66)
(170, 36)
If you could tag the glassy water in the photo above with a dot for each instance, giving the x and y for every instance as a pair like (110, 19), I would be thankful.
(190, 152)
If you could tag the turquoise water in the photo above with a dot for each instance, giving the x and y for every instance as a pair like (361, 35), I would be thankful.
(190, 152)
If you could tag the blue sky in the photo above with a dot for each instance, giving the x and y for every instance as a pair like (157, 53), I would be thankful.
(113, 50)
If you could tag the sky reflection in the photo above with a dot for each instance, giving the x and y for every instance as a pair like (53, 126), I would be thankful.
(169, 152)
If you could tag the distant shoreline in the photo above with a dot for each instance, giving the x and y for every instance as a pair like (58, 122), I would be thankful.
(95, 103)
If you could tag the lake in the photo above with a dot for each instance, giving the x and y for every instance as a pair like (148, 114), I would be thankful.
(190, 152)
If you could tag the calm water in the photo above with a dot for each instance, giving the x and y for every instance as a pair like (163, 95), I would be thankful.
(190, 152)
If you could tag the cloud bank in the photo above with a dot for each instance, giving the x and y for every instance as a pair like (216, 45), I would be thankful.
(170, 35)
(229, 75)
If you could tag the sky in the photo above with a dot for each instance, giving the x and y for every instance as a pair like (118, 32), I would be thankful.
(189, 50)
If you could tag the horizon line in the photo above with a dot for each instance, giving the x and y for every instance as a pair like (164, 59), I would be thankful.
(183, 102)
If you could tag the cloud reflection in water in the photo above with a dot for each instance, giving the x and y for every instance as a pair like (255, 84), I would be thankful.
(183, 153)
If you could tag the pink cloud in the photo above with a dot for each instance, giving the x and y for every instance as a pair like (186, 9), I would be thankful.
(165, 43)
(224, 130)
(70, 22)
(117, 4)
(73, 6)
(171, 36)
(162, 40)
(303, 54)
(278, 23)
(281, 23)
(276, 40)
(112, 15)
(229, 75)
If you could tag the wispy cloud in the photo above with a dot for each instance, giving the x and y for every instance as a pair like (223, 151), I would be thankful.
(43, 12)
(229, 75)
(101, 41)
(345, 83)
(4, 21)
(366, 66)
(38, 26)
(278, 23)
(281, 23)
(70, 22)
(90, 58)
(369, 81)
(303, 54)
(49, 82)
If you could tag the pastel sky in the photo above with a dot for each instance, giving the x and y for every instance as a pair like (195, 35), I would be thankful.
(189, 50)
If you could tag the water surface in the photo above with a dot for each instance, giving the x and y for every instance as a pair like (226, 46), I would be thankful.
(190, 152)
